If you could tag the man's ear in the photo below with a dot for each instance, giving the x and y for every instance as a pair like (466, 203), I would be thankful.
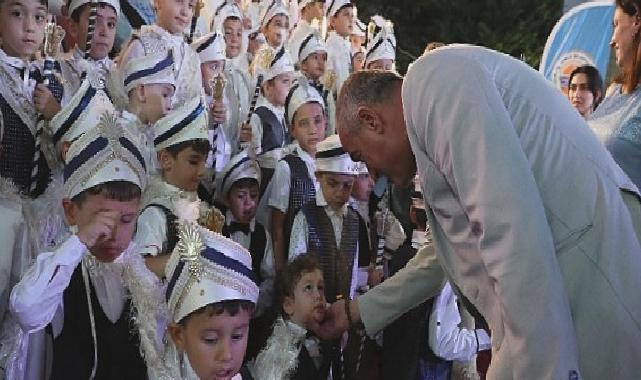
(370, 119)
(177, 334)
(71, 211)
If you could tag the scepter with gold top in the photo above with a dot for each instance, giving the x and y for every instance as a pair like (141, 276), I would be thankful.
(200, 4)
(261, 63)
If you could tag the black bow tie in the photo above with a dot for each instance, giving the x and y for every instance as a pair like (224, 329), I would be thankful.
(237, 227)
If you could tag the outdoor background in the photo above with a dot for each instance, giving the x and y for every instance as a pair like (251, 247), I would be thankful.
(515, 27)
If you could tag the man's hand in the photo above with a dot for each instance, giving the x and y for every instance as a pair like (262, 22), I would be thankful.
(218, 112)
(374, 276)
(334, 324)
(100, 228)
(245, 133)
(45, 102)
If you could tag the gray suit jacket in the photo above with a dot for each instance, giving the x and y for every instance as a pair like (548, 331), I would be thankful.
(531, 217)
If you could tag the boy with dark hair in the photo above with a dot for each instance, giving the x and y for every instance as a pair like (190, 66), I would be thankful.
(102, 41)
(302, 306)
(182, 146)
(294, 183)
(238, 190)
(211, 294)
(80, 291)
(25, 101)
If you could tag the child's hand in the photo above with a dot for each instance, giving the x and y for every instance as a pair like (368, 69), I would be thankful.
(245, 133)
(218, 112)
(100, 228)
(45, 102)
(247, 23)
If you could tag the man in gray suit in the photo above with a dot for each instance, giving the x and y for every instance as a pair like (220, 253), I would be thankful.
(532, 220)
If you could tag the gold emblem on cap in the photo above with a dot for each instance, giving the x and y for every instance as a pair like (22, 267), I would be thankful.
(189, 246)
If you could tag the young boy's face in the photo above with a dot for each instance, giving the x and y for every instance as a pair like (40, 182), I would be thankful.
(22, 27)
(356, 41)
(233, 29)
(306, 307)
(336, 188)
(276, 89)
(104, 32)
(174, 15)
(314, 65)
(276, 30)
(155, 101)
(309, 126)
(214, 344)
(382, 64)
(343, 21)
(242, 202)
(363, 185)
(210, 70)
(185, 170)
(358, 60)
(108, 248)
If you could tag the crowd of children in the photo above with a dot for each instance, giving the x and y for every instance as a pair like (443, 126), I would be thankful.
(178, 205)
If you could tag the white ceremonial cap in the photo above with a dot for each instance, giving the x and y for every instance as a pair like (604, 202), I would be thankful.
(332, 158)
(241, 166)
(108, 152)
(149, 69)
(301, 93)
(186, 123)
(228, 9)
(271, 63)
(210, 47)
(381, 42)
(307, 43)
(205, 268)
(360, 168)
(273, 8)
(75, 4)
(360, 29)
(83, 111)
(333, 6)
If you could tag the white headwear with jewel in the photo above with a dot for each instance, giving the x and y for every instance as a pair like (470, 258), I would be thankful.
(301, 93)
(108, 152)
(149, 69)
(333, 6)
(272, 9)
(332, 158)
(206, 268)
(75, 4)
(228, 9)
(241, 166)
(272, 62)
(210, 47)
(381, 42)
(186, 123)
(83, 111)
(303, 45)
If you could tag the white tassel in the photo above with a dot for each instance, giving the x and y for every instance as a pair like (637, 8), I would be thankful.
(279, 359)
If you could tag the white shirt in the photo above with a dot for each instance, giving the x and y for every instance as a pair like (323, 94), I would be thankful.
(38, 298)
(267, 270)
(339, 58)
(298, 242)
(282, 180)
(151, 230)
(446, 339)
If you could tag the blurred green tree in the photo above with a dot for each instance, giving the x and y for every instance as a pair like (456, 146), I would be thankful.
(515, 27)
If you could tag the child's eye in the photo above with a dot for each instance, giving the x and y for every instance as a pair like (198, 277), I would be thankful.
(16, 13)
(111, 25)
(193, 162)
(40, 18)
(211, 341)
(238, 336)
